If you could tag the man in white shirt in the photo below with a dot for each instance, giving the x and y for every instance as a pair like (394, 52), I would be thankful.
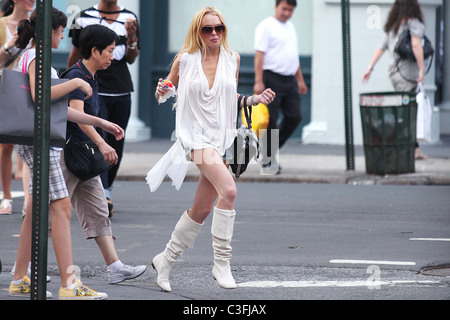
(277, 66)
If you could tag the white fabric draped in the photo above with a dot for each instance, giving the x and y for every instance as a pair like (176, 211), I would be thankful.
(205, 117)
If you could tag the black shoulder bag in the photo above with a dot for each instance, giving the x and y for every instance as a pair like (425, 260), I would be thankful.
(246, 145)
(404, 50)
(84, 159)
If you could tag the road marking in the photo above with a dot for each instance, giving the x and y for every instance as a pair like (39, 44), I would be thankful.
(375, 262)
(14, 194)
(429, 239)
(310, 284)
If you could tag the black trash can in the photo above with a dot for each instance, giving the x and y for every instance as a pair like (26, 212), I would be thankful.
(389, 131)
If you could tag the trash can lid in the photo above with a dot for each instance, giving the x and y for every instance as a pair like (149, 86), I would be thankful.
(386, 99)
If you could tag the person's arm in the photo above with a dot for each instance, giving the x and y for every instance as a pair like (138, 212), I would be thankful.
(376, 56)
(417, 48)
(259, 84)
(132, 48)
(302, 88)
(108, 152)
(59, 90)
(172, 77)
(83, 118)
(5, 52)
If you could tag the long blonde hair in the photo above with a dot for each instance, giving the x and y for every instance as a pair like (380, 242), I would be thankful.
(194, 41)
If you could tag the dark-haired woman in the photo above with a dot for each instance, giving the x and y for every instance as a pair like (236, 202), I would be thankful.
(71, 287)
(404, 74)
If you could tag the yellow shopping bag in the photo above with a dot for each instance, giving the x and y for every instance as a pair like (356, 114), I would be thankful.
(260, 118)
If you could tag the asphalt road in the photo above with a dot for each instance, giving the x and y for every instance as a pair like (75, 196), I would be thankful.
(291, 242)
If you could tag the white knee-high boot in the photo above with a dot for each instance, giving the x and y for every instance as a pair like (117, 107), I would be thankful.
(183, 237)
(222, 232)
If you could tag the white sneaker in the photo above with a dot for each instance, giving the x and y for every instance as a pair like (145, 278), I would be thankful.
(125, 273)
(28, 272)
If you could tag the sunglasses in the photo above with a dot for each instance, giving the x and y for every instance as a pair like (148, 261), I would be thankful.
(209, 29)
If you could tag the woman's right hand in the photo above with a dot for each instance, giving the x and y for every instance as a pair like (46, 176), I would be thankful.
(366, 76)
(421, 77)
(161, 89)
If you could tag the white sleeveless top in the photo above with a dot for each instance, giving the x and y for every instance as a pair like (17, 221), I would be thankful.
(205, 118)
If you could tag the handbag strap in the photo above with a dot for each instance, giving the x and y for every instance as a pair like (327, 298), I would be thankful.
(247, 112)
(241, 96)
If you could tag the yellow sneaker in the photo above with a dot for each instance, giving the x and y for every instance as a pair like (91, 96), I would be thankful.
(23, 289)
(81, 292)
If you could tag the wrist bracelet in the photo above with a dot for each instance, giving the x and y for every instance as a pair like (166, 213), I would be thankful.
(5, 50)
(252, 101)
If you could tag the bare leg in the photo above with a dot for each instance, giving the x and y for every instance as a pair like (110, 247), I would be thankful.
(62, 240)
(215, 181)
(6, 169)
(24, 250)
(106, 245)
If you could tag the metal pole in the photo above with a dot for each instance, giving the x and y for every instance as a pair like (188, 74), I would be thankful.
(349, 146)
(39, 239)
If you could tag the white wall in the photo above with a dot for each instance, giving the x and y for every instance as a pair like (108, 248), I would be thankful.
(367, 20)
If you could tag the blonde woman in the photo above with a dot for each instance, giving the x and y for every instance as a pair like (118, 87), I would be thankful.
(205, 72)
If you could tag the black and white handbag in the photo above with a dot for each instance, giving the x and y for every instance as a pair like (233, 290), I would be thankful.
(246, 145)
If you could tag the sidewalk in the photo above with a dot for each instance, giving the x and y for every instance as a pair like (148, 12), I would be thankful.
(304, 164)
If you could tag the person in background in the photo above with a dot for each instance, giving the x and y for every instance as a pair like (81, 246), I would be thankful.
(6, 8)
(277, 66)
(60, 208)
(97, 44)
(404, 74)
(9, 57)
(115, 83)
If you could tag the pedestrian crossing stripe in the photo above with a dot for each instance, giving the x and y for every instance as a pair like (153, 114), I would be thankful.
(14, 194)
(331, 284)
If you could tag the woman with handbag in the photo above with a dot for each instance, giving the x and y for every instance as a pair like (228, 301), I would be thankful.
(9, 58)
(405, 74)
(71, 288)
(206, 73)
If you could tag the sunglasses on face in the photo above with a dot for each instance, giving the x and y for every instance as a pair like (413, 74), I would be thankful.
(209, 29)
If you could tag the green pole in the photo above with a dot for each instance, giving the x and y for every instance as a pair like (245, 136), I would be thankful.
(349, 146)
(39, 239)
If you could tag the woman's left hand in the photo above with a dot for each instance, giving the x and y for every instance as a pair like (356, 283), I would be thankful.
(266, 97)
(421, 77)
(113, 129)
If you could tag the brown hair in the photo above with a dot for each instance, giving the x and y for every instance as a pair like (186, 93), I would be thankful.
(26, 28)
(402, 11)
